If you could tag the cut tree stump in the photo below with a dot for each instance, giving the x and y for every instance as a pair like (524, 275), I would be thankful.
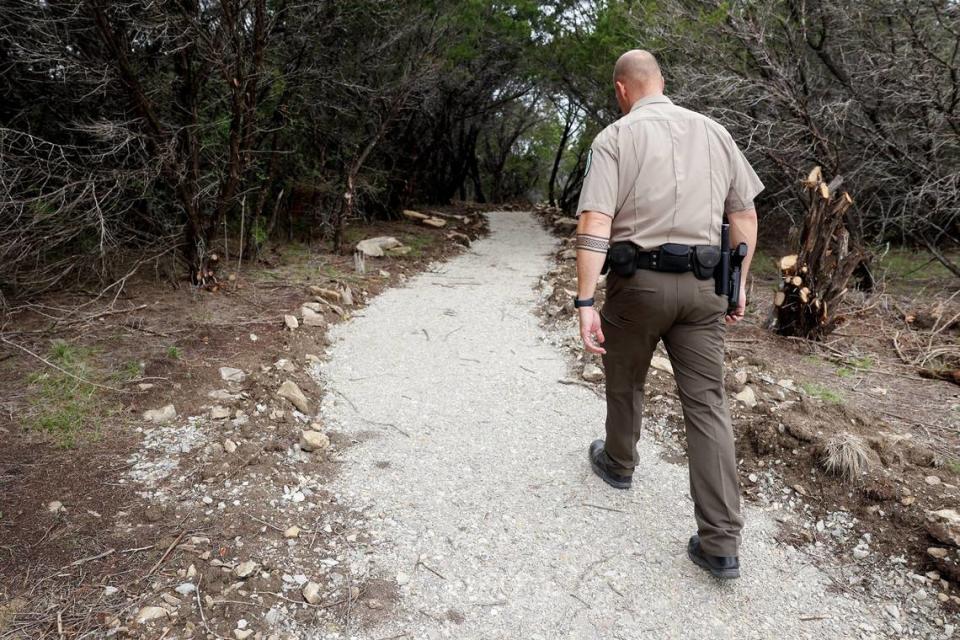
(814, 279)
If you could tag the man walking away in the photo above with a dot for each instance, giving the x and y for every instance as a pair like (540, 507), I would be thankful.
(657, 186)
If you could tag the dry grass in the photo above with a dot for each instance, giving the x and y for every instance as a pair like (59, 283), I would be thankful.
(846, 455)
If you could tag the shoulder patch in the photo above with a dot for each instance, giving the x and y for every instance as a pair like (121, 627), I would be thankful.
(586, 169)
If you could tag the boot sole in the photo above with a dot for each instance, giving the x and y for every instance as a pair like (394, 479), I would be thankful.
(616, 484)
(722, 574)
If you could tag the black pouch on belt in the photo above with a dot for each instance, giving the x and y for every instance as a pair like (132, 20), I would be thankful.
(705, 261)
(673, 258)
(622, 258)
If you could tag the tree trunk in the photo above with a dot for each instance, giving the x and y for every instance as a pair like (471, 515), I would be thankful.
(814, 280)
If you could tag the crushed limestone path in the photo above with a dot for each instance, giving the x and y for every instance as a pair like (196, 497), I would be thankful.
(471, 458)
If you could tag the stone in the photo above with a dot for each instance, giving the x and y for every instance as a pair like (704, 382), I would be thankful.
(944, 525)
(242, 634)
(291, 392)
(403, 578)
(346, 295)
(565, 223)
(292, 532)
(932, 480)
(937, 552)
(110, 591)
(592, 373)
(145, 386)
(186, 588)
(459, 238)
(311, 593)
(316, 307)
(291, 322)
(374, 247)
(436, 223)
(861, 552)
(741, 377)
(162, 415)
(753, 478)
(414, 215)
(568, 254)
(661, 363)
(311, 318)
(326, 294)
(246, 569)
(747, 397)
(219, 413)
(230, 374)
(311, 440)
(787, 384)
(55, 507)
(147, 614)
(229, 446)
(399, 251)
(316, 426)
(222, 395)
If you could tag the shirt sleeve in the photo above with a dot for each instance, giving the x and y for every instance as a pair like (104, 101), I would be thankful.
(601, 177)
(744, 184)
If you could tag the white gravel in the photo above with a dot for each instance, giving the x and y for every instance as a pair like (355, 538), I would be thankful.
(450, 381)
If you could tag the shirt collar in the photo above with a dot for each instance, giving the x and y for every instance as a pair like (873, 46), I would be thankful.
(654, 99)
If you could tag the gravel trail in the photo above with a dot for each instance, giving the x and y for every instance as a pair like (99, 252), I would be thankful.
(472, 458)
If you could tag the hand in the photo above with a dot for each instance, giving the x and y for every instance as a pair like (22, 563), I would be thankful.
(590, 330)
(736, 315)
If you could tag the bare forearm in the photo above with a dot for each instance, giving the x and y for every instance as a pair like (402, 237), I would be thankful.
(743, 228)
(593, 237)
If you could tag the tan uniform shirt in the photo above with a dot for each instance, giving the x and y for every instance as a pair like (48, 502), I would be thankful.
(666, 174)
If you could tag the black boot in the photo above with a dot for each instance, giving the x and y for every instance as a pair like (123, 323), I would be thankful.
(600, 462)
(723, 567)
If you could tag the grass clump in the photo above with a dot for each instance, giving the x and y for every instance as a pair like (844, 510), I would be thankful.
(822, 393)
(63, 405)
(173, 352)
(846, 455)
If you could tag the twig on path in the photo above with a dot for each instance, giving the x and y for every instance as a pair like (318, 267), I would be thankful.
(528, 370)
(615, 590)
(165, 554)
(426, 334)
(421, 563)
(264, 522)
(470, 360)
(600, 506)
(580, 383)
(816, 616)
(497, 603)
(581, 600)
(203, 617)
(451, 333)
(402, 635)
(76, 563)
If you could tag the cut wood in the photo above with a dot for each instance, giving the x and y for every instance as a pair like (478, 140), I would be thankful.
(788, 263)
(815, 278)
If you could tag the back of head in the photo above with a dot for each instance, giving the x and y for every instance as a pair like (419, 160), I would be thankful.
(639, 71)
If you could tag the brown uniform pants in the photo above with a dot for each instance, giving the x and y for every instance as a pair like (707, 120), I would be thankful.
(687, 315)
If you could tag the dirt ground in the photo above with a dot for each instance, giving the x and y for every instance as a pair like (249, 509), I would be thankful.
(112, 525)
(859, 395)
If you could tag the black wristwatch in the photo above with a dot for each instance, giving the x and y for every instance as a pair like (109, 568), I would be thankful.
(577, 303)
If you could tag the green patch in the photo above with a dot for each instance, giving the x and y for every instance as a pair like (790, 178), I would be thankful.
(844, 372)
(173, 352)
(765, 267)
(821, 392)
(65, 405)
(953, 466)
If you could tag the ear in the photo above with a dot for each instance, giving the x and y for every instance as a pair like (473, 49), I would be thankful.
(621, 89)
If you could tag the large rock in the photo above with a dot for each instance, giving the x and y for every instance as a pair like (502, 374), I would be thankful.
(230, 374)
(291, 322)
(661, 363)
(311, 440)
(311, 318)
(414, 215)
(436, 223)
(327, 294)
(747, 397)
(147, 614)
(347, 296)
(291, 392)
(374, 247)
(162, 415)
(592, 373)
(944, 525)
(311, 593)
